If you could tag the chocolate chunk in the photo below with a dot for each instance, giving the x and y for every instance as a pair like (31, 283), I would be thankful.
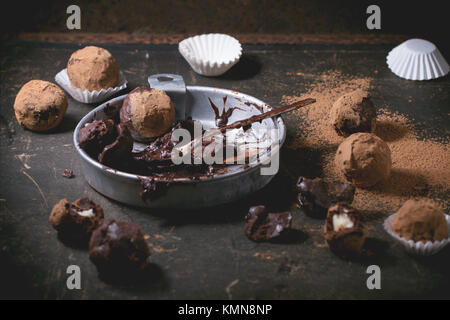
(118, 247)
(76, 221)
(262, 225)
(343, 230)
(115, 154)
(67, 173)
(316, 195)
(94, 136)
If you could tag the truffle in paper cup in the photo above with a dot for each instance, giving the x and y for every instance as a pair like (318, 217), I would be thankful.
(86, 96)
(211, 54)
(417, 59)
(417, 247)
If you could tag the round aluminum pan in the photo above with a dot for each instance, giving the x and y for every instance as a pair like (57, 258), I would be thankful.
(236, 183)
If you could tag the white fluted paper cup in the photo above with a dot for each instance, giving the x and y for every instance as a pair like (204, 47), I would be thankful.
(417, 59)
(86, 96)
(417, 247)
(211, 54)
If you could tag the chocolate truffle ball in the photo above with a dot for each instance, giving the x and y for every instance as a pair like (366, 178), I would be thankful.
(147, 112)
(315, 196)
(262, 225)
(95, 135)
(343, 230)
(118, 247)
(420, 220)
(76, 221)
(40, 105)
(353, 112)
(93, 68)
(364, 159)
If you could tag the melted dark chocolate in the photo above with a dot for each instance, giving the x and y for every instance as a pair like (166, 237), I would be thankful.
(114, 154)
(222, 118)
(94, 136)
(161, 148)
(257, 106)
(152, 188)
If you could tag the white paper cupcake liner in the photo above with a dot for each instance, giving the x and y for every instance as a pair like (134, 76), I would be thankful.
(417, 59)
(417, 248)
(211, 54)
(86, 96)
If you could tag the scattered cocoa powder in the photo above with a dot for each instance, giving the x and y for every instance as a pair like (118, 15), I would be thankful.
(420, 167)
(267, 256)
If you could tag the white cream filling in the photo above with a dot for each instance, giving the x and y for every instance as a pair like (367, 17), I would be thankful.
(341, 221)
(86, 213)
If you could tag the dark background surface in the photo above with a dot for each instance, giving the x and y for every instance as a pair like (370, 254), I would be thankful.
(242, 16)
(197, 255)
(426, 19)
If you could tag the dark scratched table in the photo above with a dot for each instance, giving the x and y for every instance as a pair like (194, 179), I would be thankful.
(202, 254)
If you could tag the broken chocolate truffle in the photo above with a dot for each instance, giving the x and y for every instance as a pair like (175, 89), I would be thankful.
(353, 112)
(317, 195)
(114, 154)
(76, 221)
(117, 247)
(262, 225)
(94, 136)
(343, 230)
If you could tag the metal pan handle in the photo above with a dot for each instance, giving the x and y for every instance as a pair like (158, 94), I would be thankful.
(175, 88)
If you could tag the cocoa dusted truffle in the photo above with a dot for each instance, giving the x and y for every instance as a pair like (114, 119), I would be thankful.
(420, 220)
(343, 231)
(147, 112)
(94, 136)
(364, 159)
(40, 105)
(353, 112)
(93, 68)
(262, 225)
(315, 196)
(75, 221)
(118, 247)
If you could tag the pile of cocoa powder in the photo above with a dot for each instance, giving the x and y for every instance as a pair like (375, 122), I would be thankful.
(420, 168)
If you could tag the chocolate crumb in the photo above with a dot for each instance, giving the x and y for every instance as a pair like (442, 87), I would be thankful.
(67, 173)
